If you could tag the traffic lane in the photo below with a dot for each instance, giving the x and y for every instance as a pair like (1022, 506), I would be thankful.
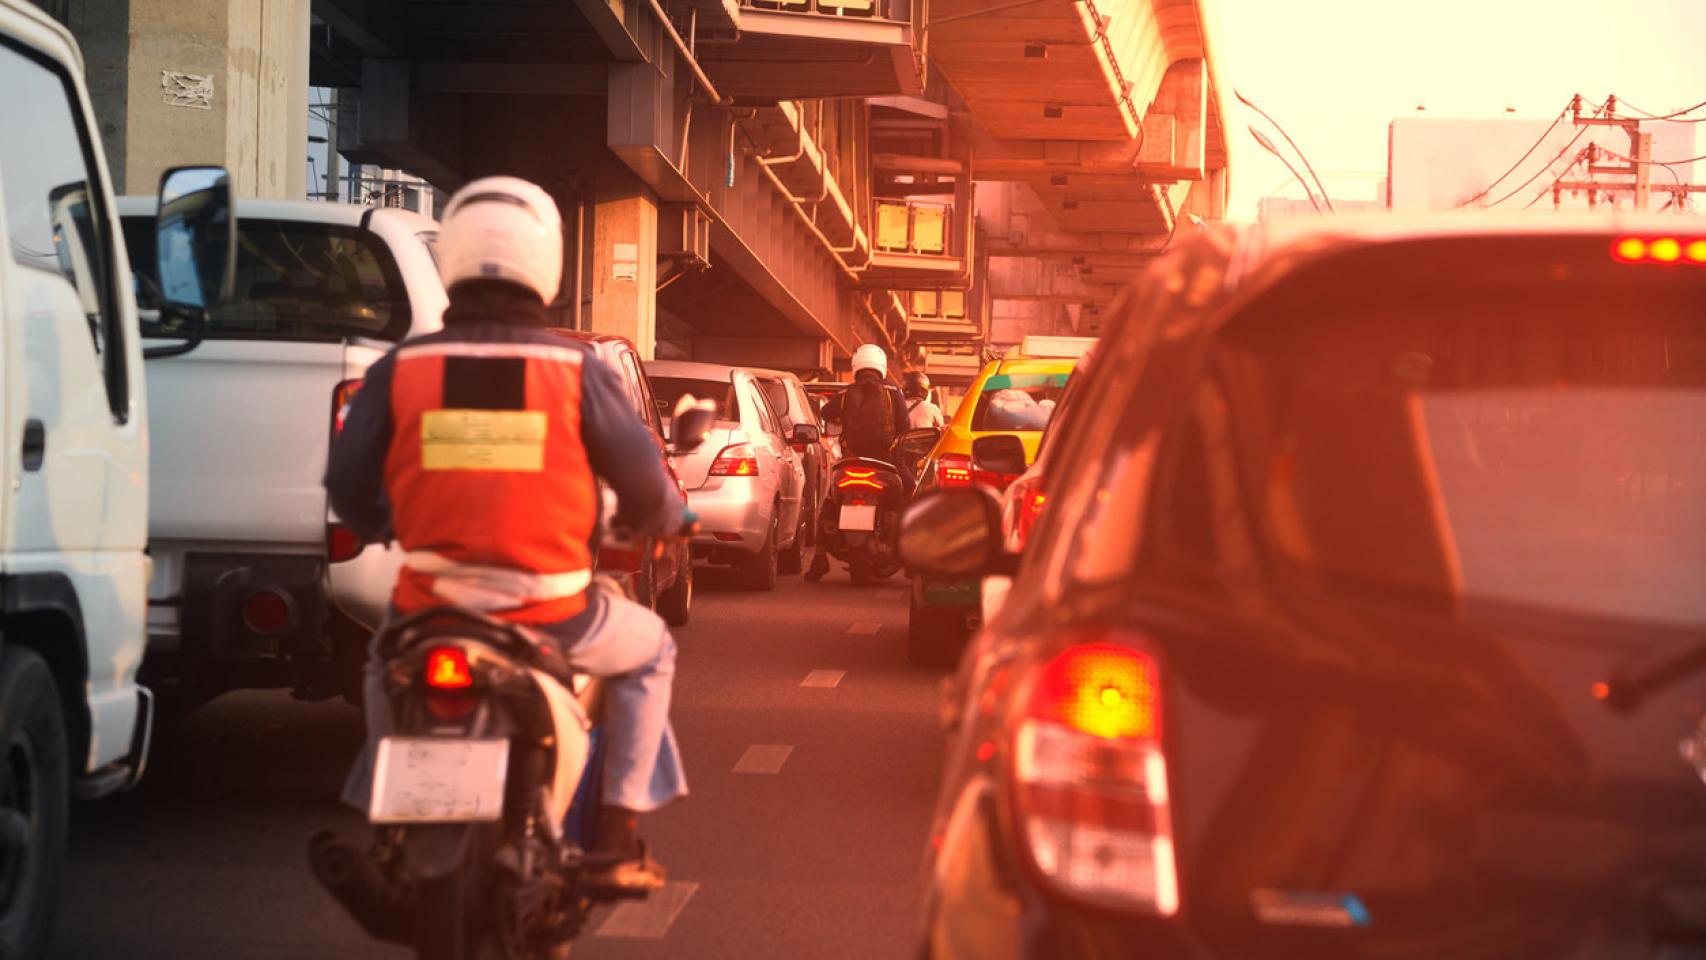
(206, 857)
(820, 858)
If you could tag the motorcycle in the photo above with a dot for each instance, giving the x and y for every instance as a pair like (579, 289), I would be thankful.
(483, 795)
(486, 793)
(860, 517)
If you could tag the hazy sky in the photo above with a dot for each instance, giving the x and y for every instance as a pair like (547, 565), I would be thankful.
(1336, 72)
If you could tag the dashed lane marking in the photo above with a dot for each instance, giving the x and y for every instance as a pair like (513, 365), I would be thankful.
(863, 628)
(823, 678)
(651, 918)
(763, 758)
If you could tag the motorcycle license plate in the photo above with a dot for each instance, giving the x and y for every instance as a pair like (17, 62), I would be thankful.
(438, 780)
(855, 516)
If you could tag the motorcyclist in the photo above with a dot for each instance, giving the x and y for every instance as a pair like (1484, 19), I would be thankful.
(921, 413)
(479, 449)
(872, 414)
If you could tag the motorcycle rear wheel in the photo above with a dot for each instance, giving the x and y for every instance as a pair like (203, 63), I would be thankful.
(444, 917)
(859, 567)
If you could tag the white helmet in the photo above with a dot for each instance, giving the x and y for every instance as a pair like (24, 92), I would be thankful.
(871, 357)
(503, 228)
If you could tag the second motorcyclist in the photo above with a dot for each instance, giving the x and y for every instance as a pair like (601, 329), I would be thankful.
(872, 414)
(921, 413)
(479, 449)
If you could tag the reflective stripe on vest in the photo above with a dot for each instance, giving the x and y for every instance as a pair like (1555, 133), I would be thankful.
(493, 497)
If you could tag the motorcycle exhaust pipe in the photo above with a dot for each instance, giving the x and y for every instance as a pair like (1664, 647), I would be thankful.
(352, 879)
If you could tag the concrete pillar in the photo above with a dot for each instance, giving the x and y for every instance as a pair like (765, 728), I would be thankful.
(200, 81)
(624, 253)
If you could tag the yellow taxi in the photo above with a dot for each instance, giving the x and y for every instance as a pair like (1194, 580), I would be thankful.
(1015, 395)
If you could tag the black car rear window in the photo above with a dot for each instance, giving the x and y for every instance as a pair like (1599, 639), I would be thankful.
(669, 390)
(295, 280)
(1523, 421)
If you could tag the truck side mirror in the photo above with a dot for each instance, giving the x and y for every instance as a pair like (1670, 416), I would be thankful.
(195, 248)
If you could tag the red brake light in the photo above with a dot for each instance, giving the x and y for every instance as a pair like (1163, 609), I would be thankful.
(953, 470)
(1029, 513)
(342, 395)
(1089, 779)
(739, 460)
(341, 543)
(1659, 250)
(859, 478)
(447, 669)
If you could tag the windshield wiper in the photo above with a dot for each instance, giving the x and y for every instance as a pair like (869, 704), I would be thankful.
(1629, 688)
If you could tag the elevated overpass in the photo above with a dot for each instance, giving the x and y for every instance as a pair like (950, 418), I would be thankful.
(765, 181)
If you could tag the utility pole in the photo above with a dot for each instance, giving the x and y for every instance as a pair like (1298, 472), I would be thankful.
(1640, 156)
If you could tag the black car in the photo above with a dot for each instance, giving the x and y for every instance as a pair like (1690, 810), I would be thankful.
(1366, 618)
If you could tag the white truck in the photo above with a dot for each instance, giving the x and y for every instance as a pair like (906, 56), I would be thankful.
(255, 584)
(74, 452)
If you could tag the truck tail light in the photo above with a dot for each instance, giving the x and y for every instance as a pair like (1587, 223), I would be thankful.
(738, 460)
(342, 395)
(1089, 779)
(953, 470)
(341, 543)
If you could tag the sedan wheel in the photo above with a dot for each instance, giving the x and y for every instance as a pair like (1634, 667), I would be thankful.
(758, 572)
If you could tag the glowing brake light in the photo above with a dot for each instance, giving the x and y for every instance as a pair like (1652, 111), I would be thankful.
(1029, 514)
(1089, 779)
(859, 478)
(738, 460)
(447, 669)
(953, 470)
(1659, 250)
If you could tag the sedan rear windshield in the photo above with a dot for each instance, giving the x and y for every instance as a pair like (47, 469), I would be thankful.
(1018, 401)
(1521, 421)
(669, 390)
(295, 280)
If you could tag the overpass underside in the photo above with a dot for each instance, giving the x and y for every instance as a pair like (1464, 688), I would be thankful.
(777, 181)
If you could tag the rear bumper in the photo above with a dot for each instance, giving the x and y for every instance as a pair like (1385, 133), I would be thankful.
(361, 587)
(734, 507)
(197, 631)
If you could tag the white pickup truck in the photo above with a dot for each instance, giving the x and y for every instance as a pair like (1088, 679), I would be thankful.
(74, 457)
(255, 584)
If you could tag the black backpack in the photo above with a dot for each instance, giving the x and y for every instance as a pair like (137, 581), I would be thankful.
(867, 419)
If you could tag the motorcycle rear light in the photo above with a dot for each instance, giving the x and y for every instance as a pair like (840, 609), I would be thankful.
(953, 470)
(447, 669)
(738, 460)
(267, 612)
(342, 395)
(341, 543)
(727, 537)
(859, 478)
(1089, 778)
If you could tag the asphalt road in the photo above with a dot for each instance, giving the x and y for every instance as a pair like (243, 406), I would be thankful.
(810, 849)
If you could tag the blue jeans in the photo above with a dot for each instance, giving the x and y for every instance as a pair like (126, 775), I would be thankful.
(614, 638)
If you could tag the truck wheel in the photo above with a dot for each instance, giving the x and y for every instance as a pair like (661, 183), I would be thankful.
(758, 572)
(934, 638)
(675, 605)
(35, 792)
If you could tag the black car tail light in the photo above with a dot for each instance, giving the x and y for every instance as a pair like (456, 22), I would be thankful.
(1089, 779)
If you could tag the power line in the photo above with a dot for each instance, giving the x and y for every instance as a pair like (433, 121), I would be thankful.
(1547, 168)
(1666, 116)
(1574, 103)
(1556, 180)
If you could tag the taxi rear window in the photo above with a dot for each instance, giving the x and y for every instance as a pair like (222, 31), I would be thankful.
(1018, 401)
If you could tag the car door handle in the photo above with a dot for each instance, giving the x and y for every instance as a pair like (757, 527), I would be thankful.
(35, 444)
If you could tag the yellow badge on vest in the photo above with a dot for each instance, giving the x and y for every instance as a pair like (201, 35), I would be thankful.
(511, 440)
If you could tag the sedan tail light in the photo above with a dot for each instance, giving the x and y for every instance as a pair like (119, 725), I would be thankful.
(738, 460)
(1090, 779)
(953, 470)
(1030, 510)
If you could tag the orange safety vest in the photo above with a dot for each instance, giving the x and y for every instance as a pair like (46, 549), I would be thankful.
(492, 495)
